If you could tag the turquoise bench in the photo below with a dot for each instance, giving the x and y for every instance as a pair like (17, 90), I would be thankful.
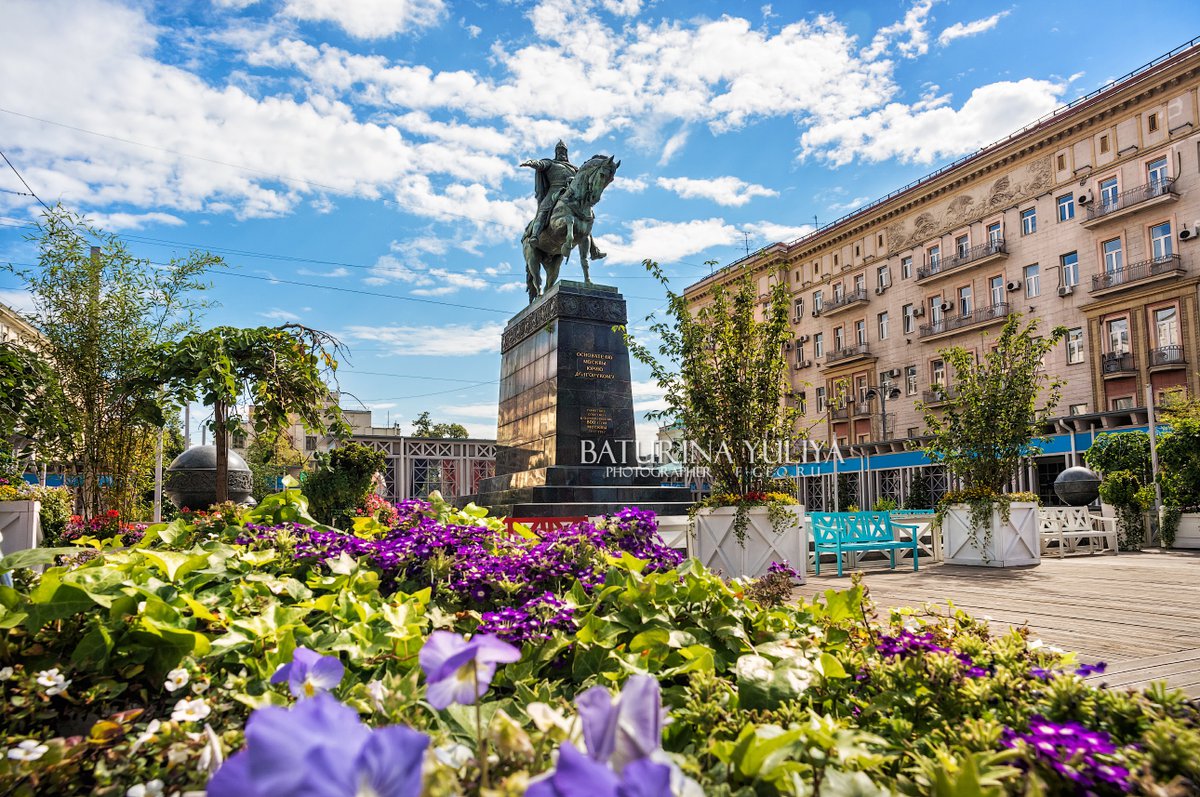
(842, 532)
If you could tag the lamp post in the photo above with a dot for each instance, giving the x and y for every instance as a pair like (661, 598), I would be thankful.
(883, 393)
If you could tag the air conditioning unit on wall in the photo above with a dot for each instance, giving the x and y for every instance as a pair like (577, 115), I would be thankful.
(1084, 197)
(1013, 285)
(918, 311)
(1189, 233)
(1066, 290)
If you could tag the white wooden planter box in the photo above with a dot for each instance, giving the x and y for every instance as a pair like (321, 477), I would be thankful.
(717, 546)
(1014, 542)
(20, 525)
(674, 532)
(1188, 534)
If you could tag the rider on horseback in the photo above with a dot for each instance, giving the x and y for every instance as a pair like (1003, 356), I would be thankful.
(551, 180)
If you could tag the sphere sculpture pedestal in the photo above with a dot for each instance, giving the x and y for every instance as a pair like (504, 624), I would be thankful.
(191, 479)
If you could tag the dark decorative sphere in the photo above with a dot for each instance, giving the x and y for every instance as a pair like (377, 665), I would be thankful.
(191, 479)
(1077, 486)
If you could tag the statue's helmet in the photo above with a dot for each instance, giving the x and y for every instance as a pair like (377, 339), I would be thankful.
(560, 150)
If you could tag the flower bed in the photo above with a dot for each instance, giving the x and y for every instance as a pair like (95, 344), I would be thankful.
(136, 671)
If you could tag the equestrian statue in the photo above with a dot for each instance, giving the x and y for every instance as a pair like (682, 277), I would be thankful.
(566, 195)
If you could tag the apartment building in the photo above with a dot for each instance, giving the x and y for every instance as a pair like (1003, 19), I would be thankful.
(1087, 218)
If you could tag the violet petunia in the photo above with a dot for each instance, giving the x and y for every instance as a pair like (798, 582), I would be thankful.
(625, 730)
(459, 670)
(309, 673)
(577, 775)
(320, 748)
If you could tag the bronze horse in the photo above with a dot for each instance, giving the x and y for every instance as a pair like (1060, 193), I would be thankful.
(570, 226)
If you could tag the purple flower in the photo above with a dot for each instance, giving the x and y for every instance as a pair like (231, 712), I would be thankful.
(622, 731)
(579, 776)
(1084, 670)
(1071, 750)
(320, 748)
(459, 670)
(309, 673)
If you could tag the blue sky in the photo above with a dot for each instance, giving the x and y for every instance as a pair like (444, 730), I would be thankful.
(370, 148)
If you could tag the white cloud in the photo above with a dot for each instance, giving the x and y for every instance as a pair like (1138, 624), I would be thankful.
(278, 314)
(667, 241)
(480, 431)
(486, 410)
(961, 30)
(115, 222)
(909, 34)
(21, 301)
(623, 8)
(840, 207)
(768, 232)
(722, 190)
(336, 273)
(451, 340)
(369, 19)
(633, 185)
(932, 130)
(673, 146)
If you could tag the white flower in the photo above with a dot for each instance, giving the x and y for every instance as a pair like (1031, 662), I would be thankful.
(454, 755)
(378, 693)
(187, 710)
(200, 687)
(151, 788)
(146, 736)
(6, 673)
(28, 750)
(212, 756)
(176, 679)
(53, 680)
(1035, 644)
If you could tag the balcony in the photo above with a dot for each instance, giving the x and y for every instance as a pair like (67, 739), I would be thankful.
(1115, 366)
(1165, 358)
(1137, 274)
(849, 300)
(840, 413)
(976, 255)
(848, 354)
(1127, 202)
(980, 317)
(933, 397)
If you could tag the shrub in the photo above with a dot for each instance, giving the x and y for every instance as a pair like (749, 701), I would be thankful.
(1125, 491)
(341, 481)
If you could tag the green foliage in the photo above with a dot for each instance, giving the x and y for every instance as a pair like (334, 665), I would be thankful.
(993, 410)
(725, 377)
(1120, 451)
(270, 457)
(885, 505)
(423, 426)
(34, 413)
(281, 372)
(1125, 491)
(103, 315)
(1179, 464)
(919, 494)
(341, 481)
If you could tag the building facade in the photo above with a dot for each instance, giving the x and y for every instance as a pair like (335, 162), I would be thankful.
(1086, 219)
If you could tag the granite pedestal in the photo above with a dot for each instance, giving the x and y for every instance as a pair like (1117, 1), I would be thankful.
(565, 434)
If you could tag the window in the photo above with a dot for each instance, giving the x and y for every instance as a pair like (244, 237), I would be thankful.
(934, 255)
(860, 284)
(1166, 326)
(1109, 190)
(819, 345)
(879, 239)
(994, 234)
(1123, 403)
(910, 380)
(1118, 336)
(239, 439)
(839, 338)
(937, 372)
(1066, 207)
(962, 245)
(1156, 172)
(1160, 241)
(1152, 122)
(839, 290)
(1079, 409)
(996, 289)
(818, 301)
(802, 402)
(1029, 221)
(1033, 280)
(1075, 346)
(883, 276)
(1103, 144)
(966, 302)
(798, 309)
(821, 399)
(310, 443)
(835, 260)
(935, 309)
(1069, 268)
(860, 332)
(1061, 161)
(910, 322)
(1113, 259)
(883, 326)
(906, 267)
(799, 351)
(860, 388)
(857, 250)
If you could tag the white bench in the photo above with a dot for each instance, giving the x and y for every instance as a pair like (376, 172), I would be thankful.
(1069, 526)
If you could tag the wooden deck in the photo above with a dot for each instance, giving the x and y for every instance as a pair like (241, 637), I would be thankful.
(1139, 612)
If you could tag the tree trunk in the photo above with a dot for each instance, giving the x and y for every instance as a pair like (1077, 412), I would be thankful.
(221, 439)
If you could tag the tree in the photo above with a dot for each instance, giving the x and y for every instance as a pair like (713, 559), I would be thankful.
(35, 416)
(341, 481)
(423, 426)
(992, 414)
(725, 378)
(280, 371)
(103, 314)
(271, 456)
